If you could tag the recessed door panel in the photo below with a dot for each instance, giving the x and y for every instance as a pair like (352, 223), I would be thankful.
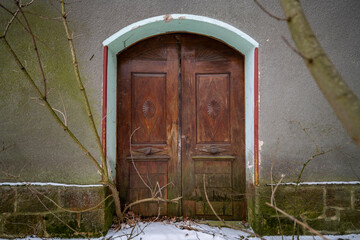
(212, 108)
(148, 107)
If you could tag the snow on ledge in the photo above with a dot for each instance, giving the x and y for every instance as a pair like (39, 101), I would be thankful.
(47, 184)
(319, 183)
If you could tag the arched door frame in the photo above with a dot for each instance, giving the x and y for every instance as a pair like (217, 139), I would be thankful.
(172, 23)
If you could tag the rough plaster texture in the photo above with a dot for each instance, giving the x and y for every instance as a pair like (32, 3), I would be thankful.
(287, 91)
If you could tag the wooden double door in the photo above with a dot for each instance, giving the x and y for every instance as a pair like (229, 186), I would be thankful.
(181, 97)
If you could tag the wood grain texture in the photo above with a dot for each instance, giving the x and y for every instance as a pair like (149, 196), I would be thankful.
(211, 78)
(213, 128)
(148, 101)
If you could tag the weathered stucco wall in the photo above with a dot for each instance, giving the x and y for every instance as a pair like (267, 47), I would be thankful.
(41, 151)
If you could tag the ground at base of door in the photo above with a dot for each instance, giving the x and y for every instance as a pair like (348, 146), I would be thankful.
(189, 230)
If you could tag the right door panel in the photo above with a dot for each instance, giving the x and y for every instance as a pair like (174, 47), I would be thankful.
(213, 129)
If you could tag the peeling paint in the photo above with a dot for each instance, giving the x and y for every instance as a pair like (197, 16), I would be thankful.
(261, 143)
(168, 18)
(182, 18)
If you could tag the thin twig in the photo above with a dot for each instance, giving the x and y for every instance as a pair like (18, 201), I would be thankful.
(70, 210)
(272, 200)
(349, 163)
(307, 133)
(147, 200)
(272, 166)
(132, 160)
(58, 19)
(27, 4)
(297, 221)
(310, 60)
(10, 22)
(4, 147)
(67, 225)
(83, 91)
(220, 219)
(49, 107)
(24, 27)
(57, 110)
(35, 46)
(268, 13)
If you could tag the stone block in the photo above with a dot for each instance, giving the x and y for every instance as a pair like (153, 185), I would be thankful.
(93, 221)
(82, 198)
(350, 219)
(57, 228)
(31, 199)
(357, 199)
(7, 199)
(338, 196)
(86, 224)
(23, 225)
(330, 212)
(32, 218)
(280, 226)
(324, 225)
(307, 201)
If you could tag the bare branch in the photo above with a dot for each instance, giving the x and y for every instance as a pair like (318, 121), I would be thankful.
(70, 210)
(49, 107)
(147, 200)
(132, 160)
(272, 166)
(297, 221)
(5, 146)
(6, 9)
(272, 200)
(268, 13)
(35, 46)
(57, 217)
(58, 19)
(27, 4)
(62, 102)
(25, 28)
(220, 219)
(83, 91)
(310, 60)
(57, 110)
(341, 98)
(10, 22)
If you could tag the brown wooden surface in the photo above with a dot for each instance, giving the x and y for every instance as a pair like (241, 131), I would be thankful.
(212, 124)
(148, 100)
(213, 128)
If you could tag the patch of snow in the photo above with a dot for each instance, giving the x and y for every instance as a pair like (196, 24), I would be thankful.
(46, 184)
(188, 231)
(320, 183)
(175, 231)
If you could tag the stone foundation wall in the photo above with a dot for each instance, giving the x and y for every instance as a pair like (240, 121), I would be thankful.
(46, 210)
(328, 208)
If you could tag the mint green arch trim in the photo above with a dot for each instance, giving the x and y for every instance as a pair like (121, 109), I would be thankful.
(180, 23)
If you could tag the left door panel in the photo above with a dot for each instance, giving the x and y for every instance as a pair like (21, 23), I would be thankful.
(147, 109)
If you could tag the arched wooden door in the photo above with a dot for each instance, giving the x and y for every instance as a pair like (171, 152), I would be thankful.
(182, 98)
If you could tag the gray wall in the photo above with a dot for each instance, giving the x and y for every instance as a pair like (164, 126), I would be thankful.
(288, 95)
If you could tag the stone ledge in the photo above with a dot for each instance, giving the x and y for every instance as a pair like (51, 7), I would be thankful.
(23, 212)
(328, 208)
